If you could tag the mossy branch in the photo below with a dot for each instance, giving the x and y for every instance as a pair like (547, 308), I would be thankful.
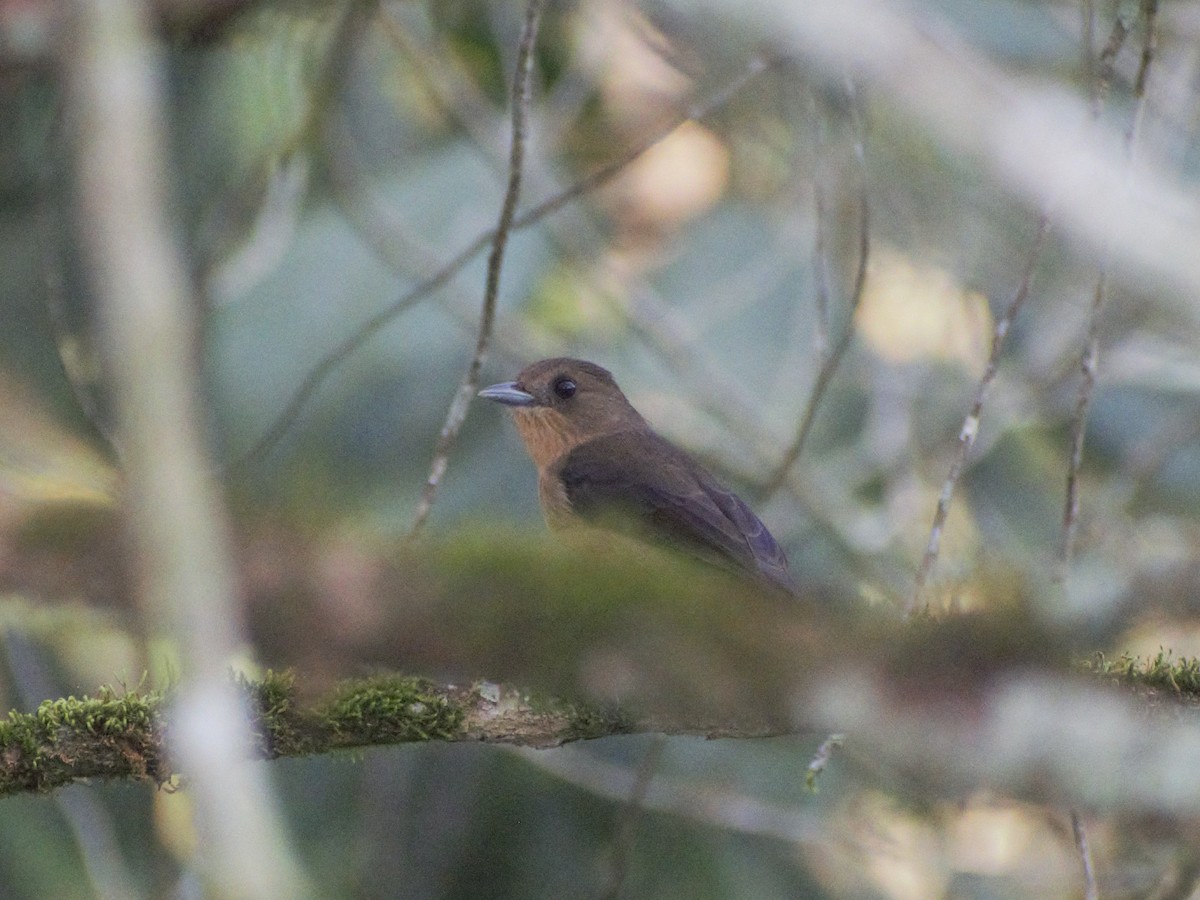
(123, 734)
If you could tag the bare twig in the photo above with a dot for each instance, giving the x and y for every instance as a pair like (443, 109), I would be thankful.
(821, 273)
(186, 574)
(1106, 63)
(833, 358)
(1088, 363)
(970, 426)
(1090, 891)
(634, 807)
(1089, 357)
(457, 413)
(698, 801)
(821, 758)
(1148, 10)
(1088, 48)
(335, 357)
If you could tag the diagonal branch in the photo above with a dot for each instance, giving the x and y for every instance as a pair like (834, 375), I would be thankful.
(833, 358)
(457, 414)
(970, 426)
(1089, 358)
(342, 351)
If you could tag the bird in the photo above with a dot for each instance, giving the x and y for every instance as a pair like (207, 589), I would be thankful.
(600, 463)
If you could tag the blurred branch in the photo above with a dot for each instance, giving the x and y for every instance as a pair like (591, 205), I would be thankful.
(185, 574)
(335, 357)
(1106, 63)
(1090, 355)
(970, 426)
(832, 358)
(700, 800)
(1088, 48)
(1029, 133)
(631, 817)
(457, 414)
(1090, 891)
(1148, 10)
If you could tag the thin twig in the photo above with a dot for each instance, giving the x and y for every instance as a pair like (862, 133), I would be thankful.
(703, 802)
(833, 359)
(1088, 365)
(1088, 48)
(970, 426)
(821, 274)
(1149, 13)
(1090, 356)
(457, 414)
(1090, 891)
(634, 808)
(1107, 64)
(821, 758)
(336, 356)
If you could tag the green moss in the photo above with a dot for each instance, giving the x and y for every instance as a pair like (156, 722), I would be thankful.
(280, 727)
(110, 735)
(121, 734)
(389, 709)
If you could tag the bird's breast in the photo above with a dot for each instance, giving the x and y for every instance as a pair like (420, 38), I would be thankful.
(556, 506)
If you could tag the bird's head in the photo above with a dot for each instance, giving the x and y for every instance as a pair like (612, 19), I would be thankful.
(559, 403)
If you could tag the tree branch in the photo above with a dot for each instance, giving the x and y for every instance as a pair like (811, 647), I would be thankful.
(457, 414)
(326, 365)
(126, 734)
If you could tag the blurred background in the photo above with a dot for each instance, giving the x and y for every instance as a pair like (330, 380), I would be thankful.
(834, 208)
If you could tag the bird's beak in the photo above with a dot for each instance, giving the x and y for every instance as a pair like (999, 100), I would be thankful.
(508, 393)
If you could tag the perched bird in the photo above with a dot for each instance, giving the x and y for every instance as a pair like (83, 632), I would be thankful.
(600, 462)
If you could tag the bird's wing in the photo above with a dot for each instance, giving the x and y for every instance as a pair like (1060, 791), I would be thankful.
(639, 483)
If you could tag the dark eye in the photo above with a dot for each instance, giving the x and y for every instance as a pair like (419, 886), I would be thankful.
(565, 388)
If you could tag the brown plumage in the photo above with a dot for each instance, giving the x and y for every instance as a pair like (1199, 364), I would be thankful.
(599, 461)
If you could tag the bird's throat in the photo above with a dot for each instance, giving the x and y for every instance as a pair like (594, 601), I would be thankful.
(547, 433)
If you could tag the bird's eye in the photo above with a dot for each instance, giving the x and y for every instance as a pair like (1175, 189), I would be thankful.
(565, 388)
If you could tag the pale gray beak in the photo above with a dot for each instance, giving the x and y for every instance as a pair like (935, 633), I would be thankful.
(508, 393)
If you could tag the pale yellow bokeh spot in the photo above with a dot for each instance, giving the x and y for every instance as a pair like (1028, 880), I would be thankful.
(677, 179)
(877, 847)
(995, 840)
(884, 851)
(914, 311)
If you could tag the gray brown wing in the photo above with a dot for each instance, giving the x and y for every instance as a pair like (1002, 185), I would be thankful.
(639, 483)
